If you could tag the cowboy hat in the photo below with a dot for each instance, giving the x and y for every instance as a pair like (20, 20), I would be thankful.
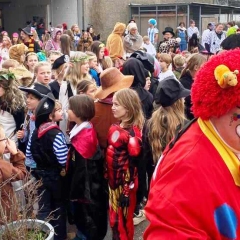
(112, 80)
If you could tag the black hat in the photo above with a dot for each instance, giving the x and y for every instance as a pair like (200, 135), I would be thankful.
(37, 90)
(169, 91)
(26, 30)
(146, 59)
(60, 61)
(168, 29)
(44, 108)
(231, 42)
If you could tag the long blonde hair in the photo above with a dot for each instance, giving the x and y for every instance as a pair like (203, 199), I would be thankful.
(74, 74)
(13, 98)
(162, 126)
(129, 99)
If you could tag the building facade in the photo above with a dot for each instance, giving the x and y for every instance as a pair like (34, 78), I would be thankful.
(105, 13)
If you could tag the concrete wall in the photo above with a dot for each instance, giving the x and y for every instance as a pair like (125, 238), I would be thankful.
(104, 14)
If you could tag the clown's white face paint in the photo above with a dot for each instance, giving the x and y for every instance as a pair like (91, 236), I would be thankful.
(238, 130)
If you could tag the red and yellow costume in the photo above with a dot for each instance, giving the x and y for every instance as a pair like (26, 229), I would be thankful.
(124, 146)
(195, 189)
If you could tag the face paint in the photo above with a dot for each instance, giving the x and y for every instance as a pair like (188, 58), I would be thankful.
(238, 130)
(234, 118)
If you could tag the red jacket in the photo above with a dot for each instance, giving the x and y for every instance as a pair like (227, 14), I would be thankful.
(193, 194)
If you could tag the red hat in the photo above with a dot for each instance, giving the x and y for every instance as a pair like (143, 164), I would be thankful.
(216, 87)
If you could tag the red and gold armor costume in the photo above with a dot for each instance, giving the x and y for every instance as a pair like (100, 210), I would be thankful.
(124, 145)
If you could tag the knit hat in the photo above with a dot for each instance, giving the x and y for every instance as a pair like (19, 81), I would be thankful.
(169, 91)
(16, 51)
(60, 61)
(132, 26)
(152, 21)
(216, 87)
(43, 110)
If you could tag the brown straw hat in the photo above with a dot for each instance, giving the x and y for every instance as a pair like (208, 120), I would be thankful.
(112, 80)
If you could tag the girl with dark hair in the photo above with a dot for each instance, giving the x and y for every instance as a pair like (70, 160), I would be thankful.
(98, 48)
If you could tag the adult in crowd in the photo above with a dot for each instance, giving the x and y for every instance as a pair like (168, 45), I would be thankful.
(26, 36)
(192, 29)
(115, 42)
(133, 40)
(170, 44)
(152, 31)
(54, 42)
(215, 39)
(187, 79)
(181, 32)
(206, 32)
(201, 165)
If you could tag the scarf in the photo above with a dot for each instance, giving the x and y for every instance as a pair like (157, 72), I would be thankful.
(228, 156)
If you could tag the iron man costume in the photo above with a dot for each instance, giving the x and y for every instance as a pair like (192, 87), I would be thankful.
(124, 145)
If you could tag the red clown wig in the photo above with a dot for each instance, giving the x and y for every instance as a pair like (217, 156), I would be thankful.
(216, 87)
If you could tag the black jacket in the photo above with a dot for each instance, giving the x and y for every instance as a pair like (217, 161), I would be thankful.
(187, 82)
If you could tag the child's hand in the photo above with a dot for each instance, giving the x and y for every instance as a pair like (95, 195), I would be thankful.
(11, 147)
(20, 134)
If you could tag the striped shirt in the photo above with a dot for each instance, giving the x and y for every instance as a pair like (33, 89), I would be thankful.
(59, 147)
(151, 34)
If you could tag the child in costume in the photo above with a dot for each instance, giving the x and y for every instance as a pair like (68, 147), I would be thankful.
(49, 150)
(13, 171)
(85, 171)
(124, 147)
(34, 95)
(12, 104)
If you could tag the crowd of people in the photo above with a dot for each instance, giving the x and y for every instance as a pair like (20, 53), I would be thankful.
(95, 124)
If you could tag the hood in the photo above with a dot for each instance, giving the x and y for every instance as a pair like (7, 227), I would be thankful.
(55, 31)
(119, 28)
(134, 67)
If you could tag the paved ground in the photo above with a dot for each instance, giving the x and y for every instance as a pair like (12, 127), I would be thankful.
(138, 233)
